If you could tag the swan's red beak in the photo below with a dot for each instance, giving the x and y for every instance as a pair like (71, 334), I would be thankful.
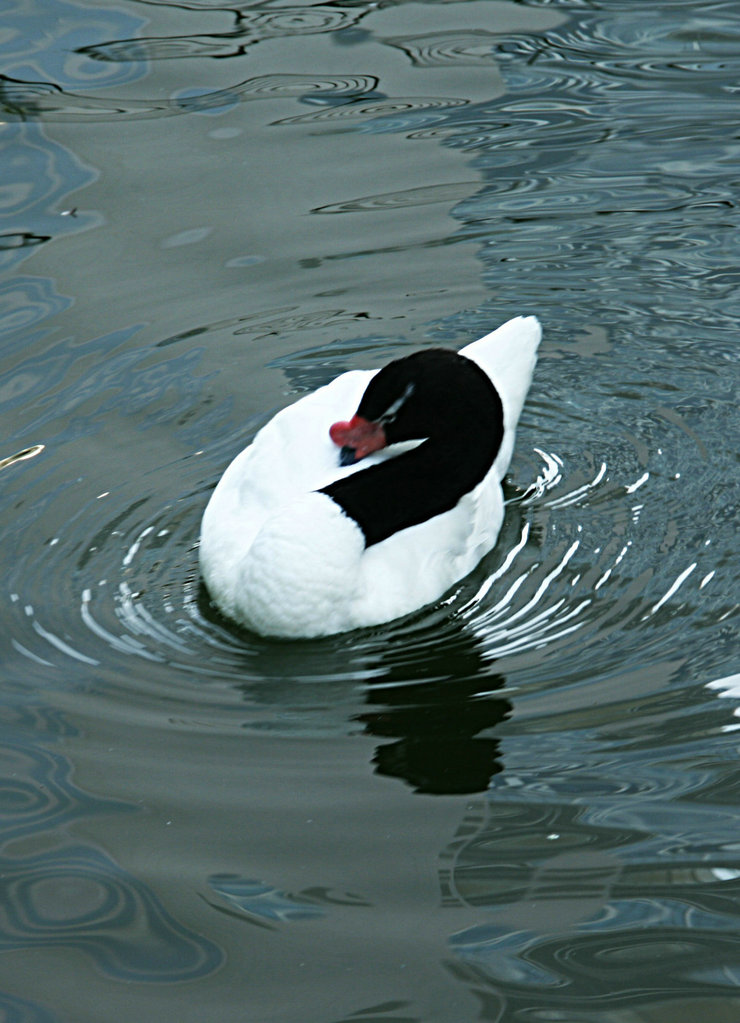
(357, 438)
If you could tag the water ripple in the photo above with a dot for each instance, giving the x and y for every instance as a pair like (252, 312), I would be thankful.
(612, 871)
(251, 28)
(401, 200)
(447, 48)
(596, 545)
(371, 109)
(140, 598)
(19, 1010)
(43, 44)
(578, 690)
(33, 101)
(63, 894)
(78, 898)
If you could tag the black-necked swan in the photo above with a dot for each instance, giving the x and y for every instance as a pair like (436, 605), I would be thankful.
(325, 524)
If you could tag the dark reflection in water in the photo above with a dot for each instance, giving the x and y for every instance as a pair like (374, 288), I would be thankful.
(434, 698)
(432, 706)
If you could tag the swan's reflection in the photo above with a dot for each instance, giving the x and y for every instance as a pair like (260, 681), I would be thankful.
(431, 707)
(431, 690)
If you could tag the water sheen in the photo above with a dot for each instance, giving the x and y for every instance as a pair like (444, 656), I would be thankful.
(517, 805)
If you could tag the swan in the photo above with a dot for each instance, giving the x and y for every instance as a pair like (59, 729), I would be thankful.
(325, 524)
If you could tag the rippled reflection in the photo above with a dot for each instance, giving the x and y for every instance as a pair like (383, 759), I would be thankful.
(255, 901)
(428, 700)
(47, 103)
(447, 48)
(44, 42)
(417, 110)
(250, 27)
(39, 175)
(61, 893)
(78, 898)
(583, 861)
(20, 1010)
(728, 688)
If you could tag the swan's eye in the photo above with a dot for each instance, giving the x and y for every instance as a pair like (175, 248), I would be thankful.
(392, 411)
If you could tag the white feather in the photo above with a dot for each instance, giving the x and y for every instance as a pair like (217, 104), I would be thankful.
(286, 561)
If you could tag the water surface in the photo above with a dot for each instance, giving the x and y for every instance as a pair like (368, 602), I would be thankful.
(517, 805)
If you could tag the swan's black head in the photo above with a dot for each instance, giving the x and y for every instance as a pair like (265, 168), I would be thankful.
(440, 398)
(434, 394)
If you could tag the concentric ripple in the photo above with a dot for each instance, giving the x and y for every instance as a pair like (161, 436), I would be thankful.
(448, 48)
(587, 561)
(33, 101)
(252, 27)
(359, 110)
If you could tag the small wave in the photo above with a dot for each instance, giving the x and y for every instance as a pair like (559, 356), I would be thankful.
(447, 49)
(252, 27)
(34, 101)
(448, 193)
(21, 456)
(371, 109)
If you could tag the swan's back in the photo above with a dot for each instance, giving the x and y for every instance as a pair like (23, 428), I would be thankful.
(508, 356)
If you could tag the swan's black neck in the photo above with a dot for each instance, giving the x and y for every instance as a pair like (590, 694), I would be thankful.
(456, 408)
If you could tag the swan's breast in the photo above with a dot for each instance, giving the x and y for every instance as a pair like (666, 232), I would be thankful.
(299, 576)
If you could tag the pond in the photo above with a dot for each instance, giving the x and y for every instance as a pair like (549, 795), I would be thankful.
(519, 804)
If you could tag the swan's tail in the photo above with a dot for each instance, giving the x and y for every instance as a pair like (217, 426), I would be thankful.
(508, 355)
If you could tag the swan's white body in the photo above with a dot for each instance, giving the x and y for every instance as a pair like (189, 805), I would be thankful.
(286, 561)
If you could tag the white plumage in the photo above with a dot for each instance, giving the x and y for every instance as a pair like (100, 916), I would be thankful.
(287, 561)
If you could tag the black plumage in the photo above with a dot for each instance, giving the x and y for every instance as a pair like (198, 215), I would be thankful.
(443, 399)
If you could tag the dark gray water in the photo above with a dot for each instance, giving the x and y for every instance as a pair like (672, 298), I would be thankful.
(520, 805)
